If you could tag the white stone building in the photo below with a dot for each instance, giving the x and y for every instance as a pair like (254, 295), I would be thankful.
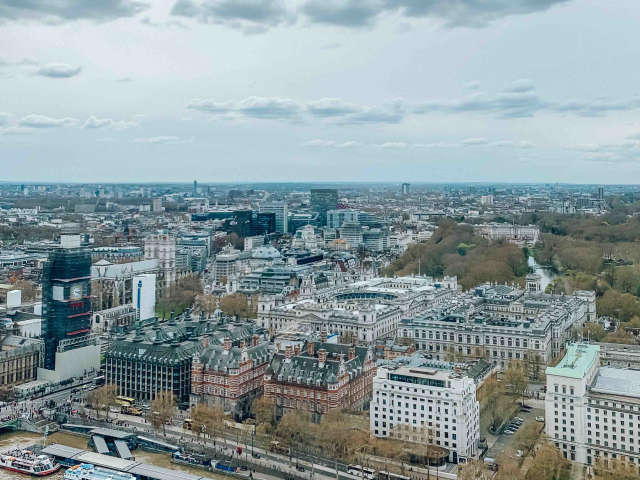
(427, 404)
(593, 411)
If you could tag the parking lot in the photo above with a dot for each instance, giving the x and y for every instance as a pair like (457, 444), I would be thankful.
(505, 442)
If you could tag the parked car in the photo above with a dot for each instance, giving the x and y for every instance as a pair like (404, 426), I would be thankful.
(539, 419)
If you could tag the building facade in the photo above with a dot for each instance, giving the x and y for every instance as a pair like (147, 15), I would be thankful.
(427, 404)
(320, 377)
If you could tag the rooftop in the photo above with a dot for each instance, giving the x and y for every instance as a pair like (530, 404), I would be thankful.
(576, 362)
(617, 381)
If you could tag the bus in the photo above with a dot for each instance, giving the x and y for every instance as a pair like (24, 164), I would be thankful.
(125, 401)
(382, 475)
(362, 472)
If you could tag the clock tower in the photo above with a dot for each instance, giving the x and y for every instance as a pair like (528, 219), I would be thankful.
(66, 298)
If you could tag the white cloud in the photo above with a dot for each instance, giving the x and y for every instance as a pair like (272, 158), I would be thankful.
(42, 121)
(58, 70)
(164, 140)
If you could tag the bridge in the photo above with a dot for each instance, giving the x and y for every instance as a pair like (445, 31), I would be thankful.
(13, 424)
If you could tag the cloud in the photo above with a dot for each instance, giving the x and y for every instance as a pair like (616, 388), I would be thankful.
(164, 140)
(512, 144)
(95, 122)
(393, 145)
(58, 70)
(249, 15)
(597, 107)
(626, 151)
(331, 107)
(475, 141)
(521, 85)
(42, 121)
(69, 10)
(16, 131)
(4, 118)
(260, 107)
(345, 13)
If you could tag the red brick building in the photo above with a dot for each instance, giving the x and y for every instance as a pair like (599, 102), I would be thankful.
(230, 377)
(320, 377)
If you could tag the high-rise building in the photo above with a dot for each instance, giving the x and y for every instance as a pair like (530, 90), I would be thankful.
(66, 297)
(335, 218)
(195, 188)
(281, 212)
(322, 200)
(406, 188)
(144, 295)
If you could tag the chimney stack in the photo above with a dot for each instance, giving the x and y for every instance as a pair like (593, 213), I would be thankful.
(352, 352)
(296, 350)
(227, 343)
(323, 335)
(255, 340)
(288, 352)
(322, 357)
(310, 348)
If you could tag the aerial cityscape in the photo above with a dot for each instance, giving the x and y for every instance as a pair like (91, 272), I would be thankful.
(320, 239)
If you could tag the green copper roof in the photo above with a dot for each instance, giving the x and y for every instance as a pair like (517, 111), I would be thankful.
(576, 362)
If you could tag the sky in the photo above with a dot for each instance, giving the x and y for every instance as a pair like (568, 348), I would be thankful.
(320, 90)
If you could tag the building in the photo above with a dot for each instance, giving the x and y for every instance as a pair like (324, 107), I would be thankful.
(230, 376)
(162, 247)
(406, 188)
(66, 296)
(320, 377)
(154, 359)
(427, 402)
(593, 411)
(20, 358)
(112, 284)
(500, 323)
(518, 234)
(144, 296)
(335, 218)
(351, 233)
(323, 200)
(281, 215)
(363, 311)
(225, 264)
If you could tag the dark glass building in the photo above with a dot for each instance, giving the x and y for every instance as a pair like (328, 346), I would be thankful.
(66, 297)
(323, 199)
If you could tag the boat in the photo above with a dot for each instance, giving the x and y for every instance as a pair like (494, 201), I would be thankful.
(87, 471)
(25, 461)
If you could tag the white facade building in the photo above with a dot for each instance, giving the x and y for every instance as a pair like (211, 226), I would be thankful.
(163, 248)
(144, 296)
(427, 404)
(592, 411)
(282, 214)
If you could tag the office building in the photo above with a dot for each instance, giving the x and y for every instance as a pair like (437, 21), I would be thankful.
(162, 247)
(428, 403)
(281, 214)
(406, 188)
(351, 234)
(592, 411)
(323, 200)
(320, 377)
(335, 218)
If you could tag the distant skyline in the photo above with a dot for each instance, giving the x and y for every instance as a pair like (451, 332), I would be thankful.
(249, 91)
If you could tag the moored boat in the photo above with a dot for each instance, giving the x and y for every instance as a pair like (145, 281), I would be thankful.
(27, 462)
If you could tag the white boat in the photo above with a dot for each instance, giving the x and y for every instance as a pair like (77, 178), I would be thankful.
(87, 471)
(25, 461)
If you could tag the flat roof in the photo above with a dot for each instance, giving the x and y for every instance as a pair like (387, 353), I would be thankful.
(109, 432)
(60, 450)
(159, 473)
(617, 381)
(104, 460)
(576, 362)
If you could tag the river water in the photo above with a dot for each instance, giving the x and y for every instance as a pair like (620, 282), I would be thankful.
(9, 440)
(547, 275)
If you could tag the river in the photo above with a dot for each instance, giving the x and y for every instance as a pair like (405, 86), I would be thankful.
(547, 275)
(25, 439)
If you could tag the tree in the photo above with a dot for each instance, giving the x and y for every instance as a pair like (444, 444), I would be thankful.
(207, 420)
(163, 408)
(235, 305)
(515, 376)
(549, 464)
(527, 437)
(474, 470)
(28, 289)
(263, 409)
(614, 469)
(593, 332)
(206, 303)
(102, 398)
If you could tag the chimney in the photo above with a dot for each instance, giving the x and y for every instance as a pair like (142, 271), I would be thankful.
(296, 350)
(352, 352)
(288, 352)
(310, 348)
(242, 344)
(323, 335)
(322, 357)
(255, 340)
(204, 341)
(227, 343)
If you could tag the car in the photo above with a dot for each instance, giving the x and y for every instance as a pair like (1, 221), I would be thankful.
(508, 432)
(540, 419)
(518, 418)
(256, 455)
(300, 468)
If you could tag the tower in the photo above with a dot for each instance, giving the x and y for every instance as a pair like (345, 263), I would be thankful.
(66, 297)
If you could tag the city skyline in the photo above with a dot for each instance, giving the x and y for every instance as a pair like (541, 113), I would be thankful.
(374, 91)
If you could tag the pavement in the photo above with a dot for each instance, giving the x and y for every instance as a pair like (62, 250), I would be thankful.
(503, 442)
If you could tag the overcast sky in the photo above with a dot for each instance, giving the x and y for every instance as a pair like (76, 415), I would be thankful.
(288, 90)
